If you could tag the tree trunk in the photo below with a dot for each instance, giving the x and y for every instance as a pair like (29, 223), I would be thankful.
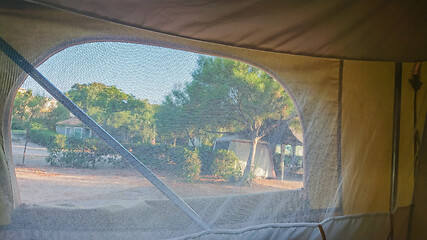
(25, 147)
(251, 160)
(26, 138)
(293, 155)
(282, 160)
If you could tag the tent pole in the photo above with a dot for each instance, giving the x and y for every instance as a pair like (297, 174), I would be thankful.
(74, 109)
(396, 140)
(339, 138)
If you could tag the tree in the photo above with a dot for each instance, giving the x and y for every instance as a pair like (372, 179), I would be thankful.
(170, 120)
(123, 115)
(56, 113)
(26, 108)
(234, 96)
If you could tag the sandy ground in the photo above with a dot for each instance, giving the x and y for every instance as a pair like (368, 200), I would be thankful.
(42, 184)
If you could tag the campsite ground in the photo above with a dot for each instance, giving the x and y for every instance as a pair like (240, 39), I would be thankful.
(40, 183)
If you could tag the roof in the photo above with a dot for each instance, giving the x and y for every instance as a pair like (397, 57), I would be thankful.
(236, 138)
(282, 134)
(71, 122)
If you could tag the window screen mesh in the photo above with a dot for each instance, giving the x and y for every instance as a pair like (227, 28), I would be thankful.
(196, 121)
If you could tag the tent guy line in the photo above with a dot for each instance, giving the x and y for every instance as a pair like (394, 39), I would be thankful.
(8, 50)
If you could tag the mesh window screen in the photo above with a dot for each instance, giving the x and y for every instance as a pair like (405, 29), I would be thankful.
(221, 134)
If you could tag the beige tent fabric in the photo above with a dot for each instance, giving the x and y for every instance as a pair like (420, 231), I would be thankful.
(366, 226)
(9, 195)
(368, 90)
(419, 218)
(314, 91)
(264, 167)
(369, 30)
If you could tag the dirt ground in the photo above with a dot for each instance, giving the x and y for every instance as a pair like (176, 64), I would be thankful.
(40, 183)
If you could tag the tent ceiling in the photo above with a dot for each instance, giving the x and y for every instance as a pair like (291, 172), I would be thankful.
(364, 30)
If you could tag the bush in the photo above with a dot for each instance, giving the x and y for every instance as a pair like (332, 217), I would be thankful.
(69, 158)
(190, 168)
(83, 153)
(179, 160)
(206, 156)
(226, 166)
(151, 155)
(46, 137)
(177, 155)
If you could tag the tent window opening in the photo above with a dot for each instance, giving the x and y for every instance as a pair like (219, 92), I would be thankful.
(206, 125)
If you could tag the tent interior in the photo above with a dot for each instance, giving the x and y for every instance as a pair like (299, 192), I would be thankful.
(352, 68)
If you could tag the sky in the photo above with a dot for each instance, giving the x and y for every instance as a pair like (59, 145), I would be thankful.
(146, 72)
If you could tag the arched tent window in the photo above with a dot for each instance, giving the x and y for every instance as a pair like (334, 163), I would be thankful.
(195, 120)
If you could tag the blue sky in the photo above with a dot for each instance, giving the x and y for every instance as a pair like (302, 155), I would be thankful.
(147, 72)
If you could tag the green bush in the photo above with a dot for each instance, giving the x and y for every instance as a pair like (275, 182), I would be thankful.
(151, 155)
(70, 158)
(190, 168)
(179, 160)
(226, 166)
(83, 153)
(46, 137)
(177, 155)
(206, 156)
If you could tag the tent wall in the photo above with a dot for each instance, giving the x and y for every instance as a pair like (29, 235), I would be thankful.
(314, 91)
(419, 218)
(366, 134)
(323, 28)
(9, 195)
(417, 225)
(263, 162)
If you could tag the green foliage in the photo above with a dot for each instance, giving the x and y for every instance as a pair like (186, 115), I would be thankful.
(83, 153)
(26, 108)
(179, 160)
(45, 137)
(225, 96)
(190, 168)
(56, 114)
(154, 156)
(69, 158)
(177, 155)
(234, 95)
(206, 156)
(124, 116)
(226, 166)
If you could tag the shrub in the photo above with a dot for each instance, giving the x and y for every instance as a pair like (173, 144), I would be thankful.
(190, 168)
(206, 156)
(226, 166)
(177, 155)
(80, 153)
(179, 160)
(69, 158)
(46, 137)
(151, 155)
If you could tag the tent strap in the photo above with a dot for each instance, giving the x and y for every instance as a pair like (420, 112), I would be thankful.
(7, 49)
(322, 232)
